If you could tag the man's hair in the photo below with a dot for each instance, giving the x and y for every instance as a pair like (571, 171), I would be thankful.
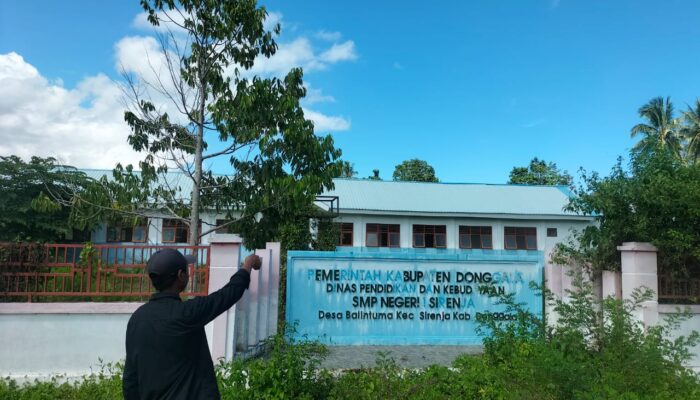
(164, 282)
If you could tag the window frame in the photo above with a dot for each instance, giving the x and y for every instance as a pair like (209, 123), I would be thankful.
(222, 230)
(342, 228)
(429, 230)
(519, 231)
(390, 229)
(125, 233)
(470, 233)
(177, 225)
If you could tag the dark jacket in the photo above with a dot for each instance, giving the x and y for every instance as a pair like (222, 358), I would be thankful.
(167, 356)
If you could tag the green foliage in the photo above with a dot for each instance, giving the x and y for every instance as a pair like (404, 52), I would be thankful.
(103, 385)
(36, 197)
(657, 201)
(596, 350)
(389, 381)
(374, 176)
(346, 170)
(690, 130)
(289, 371)
(415, 170)
(540, 172)
(660, 127)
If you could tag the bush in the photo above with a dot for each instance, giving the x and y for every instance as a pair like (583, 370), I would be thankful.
(103, 385)
(596, 350)
(289, 371)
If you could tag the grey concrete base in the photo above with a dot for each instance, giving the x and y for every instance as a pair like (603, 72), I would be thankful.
(353, 357)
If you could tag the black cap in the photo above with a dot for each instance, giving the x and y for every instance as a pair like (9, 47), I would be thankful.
(168, 261)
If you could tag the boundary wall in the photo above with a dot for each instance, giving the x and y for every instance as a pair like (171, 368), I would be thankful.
(41, 340)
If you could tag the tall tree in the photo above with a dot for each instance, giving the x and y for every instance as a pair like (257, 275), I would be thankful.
(691, 132)
(660, 126)
(415, 170)
(219, 111)
(656, 199)
(27, 208)
(540, 172)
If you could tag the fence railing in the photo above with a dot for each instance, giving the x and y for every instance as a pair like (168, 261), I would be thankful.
(46, 272)
(679, 289)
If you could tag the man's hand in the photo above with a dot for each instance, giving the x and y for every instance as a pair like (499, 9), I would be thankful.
(252, 262)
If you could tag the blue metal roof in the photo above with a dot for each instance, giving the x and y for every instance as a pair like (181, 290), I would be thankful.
(390, 197)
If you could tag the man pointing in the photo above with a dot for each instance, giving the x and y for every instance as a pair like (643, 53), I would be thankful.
(167, 355)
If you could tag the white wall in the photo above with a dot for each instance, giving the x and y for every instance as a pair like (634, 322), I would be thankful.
(685, 328)
(40, 340)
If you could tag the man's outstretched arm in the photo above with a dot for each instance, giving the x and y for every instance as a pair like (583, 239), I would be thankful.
(202, 310)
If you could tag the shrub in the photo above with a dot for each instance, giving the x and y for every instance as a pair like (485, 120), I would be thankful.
(289, 371)
(103, 385)
(596, 350)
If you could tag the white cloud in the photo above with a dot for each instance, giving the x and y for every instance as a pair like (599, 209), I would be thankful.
(314, 95)
(328, 36)
(339, 52)
(324, 122)
(397, 65)
(140, 55)
(82, 127)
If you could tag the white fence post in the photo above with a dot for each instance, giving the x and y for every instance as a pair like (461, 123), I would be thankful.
(256, 312)
(639, 270)
(224, 257)
(274, 285)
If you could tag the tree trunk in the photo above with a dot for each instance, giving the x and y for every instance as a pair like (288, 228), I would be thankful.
(194, 216)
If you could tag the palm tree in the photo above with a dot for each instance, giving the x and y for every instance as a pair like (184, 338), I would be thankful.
(691, 132)
(347, 170)
(660, 127)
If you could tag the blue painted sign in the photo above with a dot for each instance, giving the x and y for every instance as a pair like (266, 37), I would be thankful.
(348, 298)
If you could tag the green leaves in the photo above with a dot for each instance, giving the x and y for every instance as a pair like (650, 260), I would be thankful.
(657, 201)
(415, 170)
(539, 172)
(36, 199)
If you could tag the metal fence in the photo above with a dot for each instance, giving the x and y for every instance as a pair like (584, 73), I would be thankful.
(679, 289)
(49, 272)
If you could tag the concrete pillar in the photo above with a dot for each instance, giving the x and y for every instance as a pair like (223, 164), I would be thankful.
(639, 270)
(224, 257)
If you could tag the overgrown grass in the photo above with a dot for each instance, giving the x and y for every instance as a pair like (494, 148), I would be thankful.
(595, 351)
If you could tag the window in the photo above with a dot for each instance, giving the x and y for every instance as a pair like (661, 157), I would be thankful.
(551, 232)
(429, 236)
(475, 237)
(222, 229)
(175, 231)
(118, 233)
(521, 238)
(345, 234)
(383, 235)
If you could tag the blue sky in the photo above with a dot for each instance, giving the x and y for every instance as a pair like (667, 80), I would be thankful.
(474, 88)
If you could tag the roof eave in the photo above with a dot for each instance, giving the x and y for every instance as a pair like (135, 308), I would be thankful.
(562, 217)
